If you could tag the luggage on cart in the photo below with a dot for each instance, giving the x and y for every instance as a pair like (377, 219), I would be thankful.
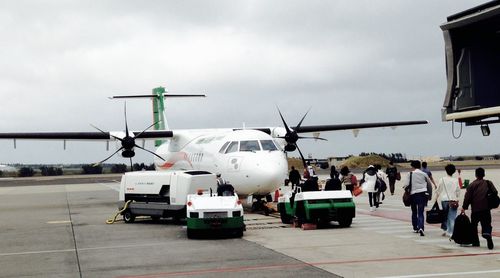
(463, 232)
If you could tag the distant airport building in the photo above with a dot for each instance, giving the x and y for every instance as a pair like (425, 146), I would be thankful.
(6, 168)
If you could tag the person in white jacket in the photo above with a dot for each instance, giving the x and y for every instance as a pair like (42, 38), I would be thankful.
(382, 177)
(448, 192)
(368, 185)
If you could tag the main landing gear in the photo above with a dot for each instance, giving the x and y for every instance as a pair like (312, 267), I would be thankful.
(260, 205)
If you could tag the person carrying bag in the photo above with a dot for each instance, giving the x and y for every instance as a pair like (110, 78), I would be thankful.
(449, 200)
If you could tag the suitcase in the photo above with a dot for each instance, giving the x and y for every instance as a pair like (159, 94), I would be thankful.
(463, 232)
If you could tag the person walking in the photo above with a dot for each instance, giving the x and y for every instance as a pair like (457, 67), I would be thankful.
(347, 178)
(447, 195)
(368, 182)
(476, 197)
(382, 180)
(294, 176)
(428, 172)
(392, 173)
(418, 182)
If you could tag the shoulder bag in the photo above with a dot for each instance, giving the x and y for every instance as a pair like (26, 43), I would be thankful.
(493, 199)
(407, 195)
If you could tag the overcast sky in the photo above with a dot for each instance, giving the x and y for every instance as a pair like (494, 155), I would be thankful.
(351, 61)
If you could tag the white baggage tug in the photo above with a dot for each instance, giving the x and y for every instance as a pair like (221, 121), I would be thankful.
(209, 214)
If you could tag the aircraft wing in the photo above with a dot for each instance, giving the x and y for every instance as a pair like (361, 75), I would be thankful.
(318, 128)
(158, 134)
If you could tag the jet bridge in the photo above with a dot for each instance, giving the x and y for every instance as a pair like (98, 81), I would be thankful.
(472, 47)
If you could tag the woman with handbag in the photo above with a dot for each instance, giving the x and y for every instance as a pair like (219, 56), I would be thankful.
(447, 196)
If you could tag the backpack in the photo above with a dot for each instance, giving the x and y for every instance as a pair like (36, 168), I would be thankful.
(380, 185)
(463, 232)
(333, 184)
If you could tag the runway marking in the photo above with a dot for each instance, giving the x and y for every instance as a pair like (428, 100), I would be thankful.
(301, 264)
(445, 274)
(37, 252)
(59, 222)
(79, 249)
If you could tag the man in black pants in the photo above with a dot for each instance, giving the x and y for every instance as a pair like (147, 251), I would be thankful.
(476, 197)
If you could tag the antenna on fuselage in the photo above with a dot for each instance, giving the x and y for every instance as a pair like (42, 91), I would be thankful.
(157, 97)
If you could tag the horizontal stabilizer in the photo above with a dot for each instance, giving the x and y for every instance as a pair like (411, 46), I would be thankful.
(155, 96)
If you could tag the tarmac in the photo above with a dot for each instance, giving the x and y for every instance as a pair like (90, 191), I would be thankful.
(59, 230)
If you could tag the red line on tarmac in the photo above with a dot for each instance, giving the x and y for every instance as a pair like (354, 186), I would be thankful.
(406, 217)
(297, 265)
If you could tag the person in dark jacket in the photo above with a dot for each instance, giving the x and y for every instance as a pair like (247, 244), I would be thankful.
(310, 184)
(476, 198)
(392, 173)
(294, 176)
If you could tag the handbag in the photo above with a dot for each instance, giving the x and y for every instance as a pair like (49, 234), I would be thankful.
(453, 204)
(357, 190)
(493, 199)
(407, 195)
(435, 215)
(398, 176)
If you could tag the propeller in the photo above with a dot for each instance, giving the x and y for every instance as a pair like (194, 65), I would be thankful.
(291, 137)
(127, 142)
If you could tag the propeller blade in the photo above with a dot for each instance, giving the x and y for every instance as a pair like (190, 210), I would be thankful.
(150, 152)
(107, 133)
(126, 124)
(302, 156)
(284, 123)
(146, 129)
(298, 126)
(100, 162)
(131, 165)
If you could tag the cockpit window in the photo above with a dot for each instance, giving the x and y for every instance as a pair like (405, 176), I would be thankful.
(268, 145)
(233, 147)
(223, 148)
(249, 146)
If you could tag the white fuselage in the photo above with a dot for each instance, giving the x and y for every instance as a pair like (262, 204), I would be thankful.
(251, 160)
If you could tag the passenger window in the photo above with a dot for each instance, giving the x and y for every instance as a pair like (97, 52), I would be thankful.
(249, 146)
(268, 145)
(223, 148)
(233, 147)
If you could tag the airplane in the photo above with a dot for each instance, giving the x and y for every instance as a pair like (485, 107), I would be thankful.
(254, 160)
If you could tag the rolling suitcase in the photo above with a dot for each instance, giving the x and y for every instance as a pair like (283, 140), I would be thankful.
(463, 232)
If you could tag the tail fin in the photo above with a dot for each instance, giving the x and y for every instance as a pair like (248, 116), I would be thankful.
(159, 116)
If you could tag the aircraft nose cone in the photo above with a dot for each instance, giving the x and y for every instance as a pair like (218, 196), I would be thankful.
(270, 176)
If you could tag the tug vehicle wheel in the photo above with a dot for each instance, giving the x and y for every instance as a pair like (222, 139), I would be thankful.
(239, 233)
(191, 233)
(345, 221)
(155, 218)
(128, 217)
(285, 218)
